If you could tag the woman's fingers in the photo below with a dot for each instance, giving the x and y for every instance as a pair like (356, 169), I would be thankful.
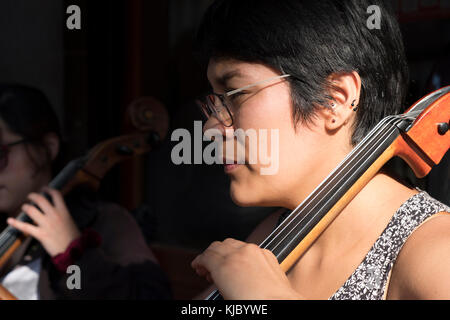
(207, 260)
(270, 257)
(55, 228)
(217, 250)
(233, 243)
(58, 200)
(242, 270)
(25, 228)
(215, 256)
(41, 202)
(34, 214)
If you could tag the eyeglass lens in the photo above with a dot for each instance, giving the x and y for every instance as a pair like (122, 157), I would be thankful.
(215, 106)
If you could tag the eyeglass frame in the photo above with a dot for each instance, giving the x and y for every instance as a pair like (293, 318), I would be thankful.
(230, 93)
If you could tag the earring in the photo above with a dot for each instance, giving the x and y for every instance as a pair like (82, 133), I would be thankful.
(333, 108)
(353, 105)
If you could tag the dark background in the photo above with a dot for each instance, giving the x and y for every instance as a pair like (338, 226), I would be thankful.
(133, 48)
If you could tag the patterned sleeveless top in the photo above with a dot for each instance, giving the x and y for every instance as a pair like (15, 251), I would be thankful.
(369, 280)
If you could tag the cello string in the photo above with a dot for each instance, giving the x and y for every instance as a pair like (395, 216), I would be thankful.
(314, 194)
(9, 230)
(214, 295)
(9, 235)
(323, 196)
(317, 212)
(7, 238)
(317, 192)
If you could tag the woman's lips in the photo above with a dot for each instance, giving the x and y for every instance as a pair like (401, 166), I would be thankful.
(231, 167)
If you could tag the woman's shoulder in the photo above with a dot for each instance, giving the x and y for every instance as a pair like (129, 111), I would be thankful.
(422, 268)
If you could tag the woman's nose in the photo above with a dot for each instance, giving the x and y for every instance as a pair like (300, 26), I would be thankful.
(213, 123)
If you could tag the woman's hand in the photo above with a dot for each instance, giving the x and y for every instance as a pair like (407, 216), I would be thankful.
(243, 271)
(55, 228)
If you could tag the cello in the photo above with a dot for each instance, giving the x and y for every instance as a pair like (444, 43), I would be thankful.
(149, 119)
(420, 137)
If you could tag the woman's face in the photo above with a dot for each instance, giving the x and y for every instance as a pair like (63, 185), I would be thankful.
(300, 157)
(19, 177)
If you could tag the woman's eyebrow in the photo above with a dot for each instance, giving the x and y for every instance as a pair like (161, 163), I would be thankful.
(223, 79)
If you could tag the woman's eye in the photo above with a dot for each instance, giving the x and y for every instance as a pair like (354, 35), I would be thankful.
(236, 95)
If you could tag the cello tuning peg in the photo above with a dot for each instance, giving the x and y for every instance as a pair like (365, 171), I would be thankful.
(443, 128)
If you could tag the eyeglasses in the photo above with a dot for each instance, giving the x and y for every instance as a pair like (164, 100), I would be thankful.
(4, 152)
(218, 105)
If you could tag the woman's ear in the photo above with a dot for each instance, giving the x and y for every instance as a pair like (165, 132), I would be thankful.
(52, 144)
(345, 94)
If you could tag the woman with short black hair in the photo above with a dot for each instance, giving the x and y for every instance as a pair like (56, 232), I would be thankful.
(315, 72)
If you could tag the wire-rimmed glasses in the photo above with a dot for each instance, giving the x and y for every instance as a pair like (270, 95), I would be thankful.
(218, 105)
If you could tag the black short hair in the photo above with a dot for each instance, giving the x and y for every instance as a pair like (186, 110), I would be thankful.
(28, 113)
(311, 40)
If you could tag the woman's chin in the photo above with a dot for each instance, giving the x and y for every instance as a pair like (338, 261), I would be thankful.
(239, 196)
(248, 197)
(245, 197)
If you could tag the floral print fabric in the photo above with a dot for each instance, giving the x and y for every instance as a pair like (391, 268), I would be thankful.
(369, 280)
